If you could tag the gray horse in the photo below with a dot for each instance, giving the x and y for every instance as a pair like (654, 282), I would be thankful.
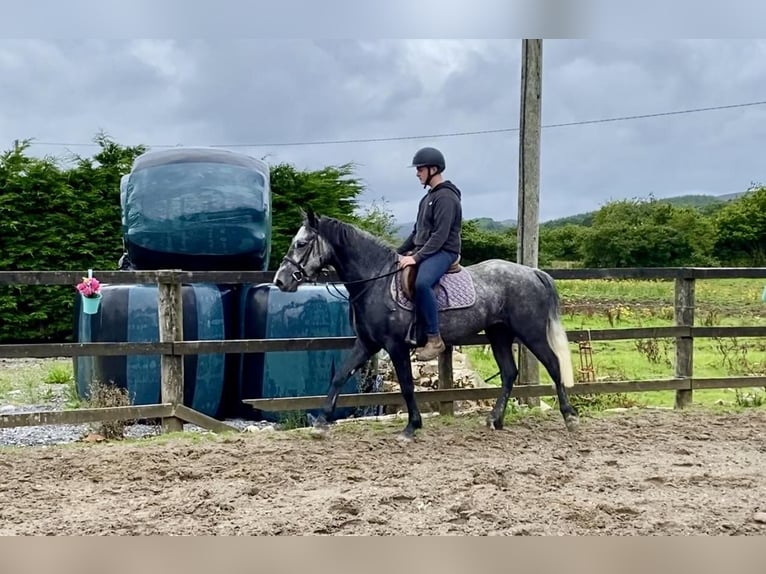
(504, 299)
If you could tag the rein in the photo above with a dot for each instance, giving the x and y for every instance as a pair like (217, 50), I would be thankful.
(369, 279)
(300, 274)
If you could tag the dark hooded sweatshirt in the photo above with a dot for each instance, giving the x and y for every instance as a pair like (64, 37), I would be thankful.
(438, 224)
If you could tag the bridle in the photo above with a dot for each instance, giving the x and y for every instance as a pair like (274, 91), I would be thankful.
(300, 274)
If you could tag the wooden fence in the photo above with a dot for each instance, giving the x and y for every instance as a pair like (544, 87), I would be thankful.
(172, 348)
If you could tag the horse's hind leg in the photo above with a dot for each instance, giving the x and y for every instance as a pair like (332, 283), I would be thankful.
(501, 340)
(548, 351)
(400, 358)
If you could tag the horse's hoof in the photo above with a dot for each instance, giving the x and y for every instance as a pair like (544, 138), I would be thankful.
(405, 437)
(494, 424)
(319, 431)
(572, 423)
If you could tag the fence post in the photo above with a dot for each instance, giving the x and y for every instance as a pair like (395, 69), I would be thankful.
(170, 311)
(684, 317)
(445, 380)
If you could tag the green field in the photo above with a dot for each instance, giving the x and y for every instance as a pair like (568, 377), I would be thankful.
(607, 304)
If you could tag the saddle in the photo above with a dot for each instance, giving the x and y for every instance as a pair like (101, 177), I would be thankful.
(410, 272)
(455, 290)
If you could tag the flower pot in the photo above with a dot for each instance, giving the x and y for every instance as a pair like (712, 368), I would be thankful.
(90, 304)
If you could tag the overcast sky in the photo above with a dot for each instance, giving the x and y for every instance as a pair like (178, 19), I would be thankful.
(264, 92)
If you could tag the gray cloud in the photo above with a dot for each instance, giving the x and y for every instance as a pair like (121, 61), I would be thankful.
(248, 91)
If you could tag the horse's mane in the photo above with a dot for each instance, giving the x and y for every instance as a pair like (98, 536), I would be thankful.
(344, 233)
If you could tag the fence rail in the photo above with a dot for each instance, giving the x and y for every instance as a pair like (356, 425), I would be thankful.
(180, 276)
(172, 348)
(519, 391)
(47, 350)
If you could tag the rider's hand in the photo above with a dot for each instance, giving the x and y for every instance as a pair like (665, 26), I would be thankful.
(406, 260)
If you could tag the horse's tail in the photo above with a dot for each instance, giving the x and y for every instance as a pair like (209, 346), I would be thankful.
(557, 337)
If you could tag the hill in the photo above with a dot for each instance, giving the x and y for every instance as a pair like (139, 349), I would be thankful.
(485, 223)
(696, 201)
(703, 202)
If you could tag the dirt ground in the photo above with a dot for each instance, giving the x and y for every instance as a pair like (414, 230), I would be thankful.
(646, 472)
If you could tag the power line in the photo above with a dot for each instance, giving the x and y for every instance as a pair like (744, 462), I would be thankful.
(442, 135)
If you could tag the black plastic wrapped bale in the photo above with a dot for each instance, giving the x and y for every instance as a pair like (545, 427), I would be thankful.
(312, 311)
(128, 313)
(196, 209)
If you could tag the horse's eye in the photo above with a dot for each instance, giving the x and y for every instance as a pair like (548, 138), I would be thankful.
(301, 244)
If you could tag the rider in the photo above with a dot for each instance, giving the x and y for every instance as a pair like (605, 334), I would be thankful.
(434, 243)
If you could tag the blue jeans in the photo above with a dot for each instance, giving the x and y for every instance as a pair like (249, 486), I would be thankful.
(429, 272)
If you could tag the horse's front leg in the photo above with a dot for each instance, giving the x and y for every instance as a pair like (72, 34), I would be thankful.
(400, 358)
(360, 354)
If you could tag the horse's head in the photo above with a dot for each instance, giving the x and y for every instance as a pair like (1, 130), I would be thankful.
(308, 254)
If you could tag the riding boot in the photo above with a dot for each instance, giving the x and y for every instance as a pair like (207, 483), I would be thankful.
(433, 348)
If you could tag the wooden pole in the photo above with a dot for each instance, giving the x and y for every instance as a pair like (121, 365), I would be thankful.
(529, 180)
(446, 380)
(684, 316)
(170, 310)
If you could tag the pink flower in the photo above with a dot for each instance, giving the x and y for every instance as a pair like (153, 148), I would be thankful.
(90, 287)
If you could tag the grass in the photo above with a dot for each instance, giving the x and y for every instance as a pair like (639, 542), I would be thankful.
(608, 304)
(38, 382)
(729, 293)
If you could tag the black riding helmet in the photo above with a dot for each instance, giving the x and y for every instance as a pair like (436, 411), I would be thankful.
(429, 157)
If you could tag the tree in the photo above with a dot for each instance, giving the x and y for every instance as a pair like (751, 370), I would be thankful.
(480, 244)
(52, 217)
(97, 180)
(741, 229)
(648, 233)
(330, 191)
(562, 243)
(378, 220)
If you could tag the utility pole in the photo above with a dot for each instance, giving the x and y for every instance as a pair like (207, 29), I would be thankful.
(529, 181)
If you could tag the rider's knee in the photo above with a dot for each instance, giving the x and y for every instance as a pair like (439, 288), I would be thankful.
(421, 284)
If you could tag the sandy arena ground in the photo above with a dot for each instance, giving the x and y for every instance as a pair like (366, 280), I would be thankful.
(645, 472)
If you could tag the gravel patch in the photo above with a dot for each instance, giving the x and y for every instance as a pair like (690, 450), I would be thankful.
(62, 434)
(27, 380)
(30, 393)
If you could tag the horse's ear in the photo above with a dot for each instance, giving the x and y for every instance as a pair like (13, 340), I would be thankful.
(310, 218)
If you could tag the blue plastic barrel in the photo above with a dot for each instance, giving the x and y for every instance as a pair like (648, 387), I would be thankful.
(128, 313)
(312, 311)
